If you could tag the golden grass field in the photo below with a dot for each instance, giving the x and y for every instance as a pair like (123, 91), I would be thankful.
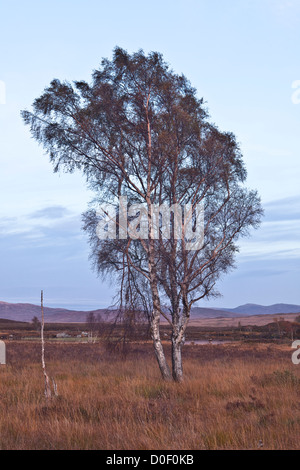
(234, 397)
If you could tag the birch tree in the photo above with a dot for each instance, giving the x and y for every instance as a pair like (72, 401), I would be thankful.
(139, 132)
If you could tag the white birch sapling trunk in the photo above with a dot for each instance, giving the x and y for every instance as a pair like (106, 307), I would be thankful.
(47, 392)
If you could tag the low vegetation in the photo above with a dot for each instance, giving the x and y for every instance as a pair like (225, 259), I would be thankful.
(278, 331)
(235, 396)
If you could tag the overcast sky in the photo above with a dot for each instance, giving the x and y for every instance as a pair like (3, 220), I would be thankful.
(243, 58)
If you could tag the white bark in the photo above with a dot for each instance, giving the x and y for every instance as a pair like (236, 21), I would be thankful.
(47, 392)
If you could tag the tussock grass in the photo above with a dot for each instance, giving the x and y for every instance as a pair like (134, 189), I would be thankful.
(232, 398)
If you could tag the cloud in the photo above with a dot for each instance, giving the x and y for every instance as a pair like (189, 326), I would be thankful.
(284, 202)
(288, 11)
(277, 239)
(283, 209)
(286, 4)
(49, 226)
(53, 212)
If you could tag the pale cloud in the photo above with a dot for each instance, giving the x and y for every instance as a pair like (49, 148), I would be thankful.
(270, 151)
(287, 11)
(286, 4)
(53, 212)
(278, 237)
(274, 240)
(44, 226)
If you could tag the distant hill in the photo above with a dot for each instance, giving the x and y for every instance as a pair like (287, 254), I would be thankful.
(201, 312)
(4, 321)
(246, 320)
(254, 309)
(24, 312)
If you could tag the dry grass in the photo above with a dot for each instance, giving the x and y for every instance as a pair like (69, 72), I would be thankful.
(233, 397)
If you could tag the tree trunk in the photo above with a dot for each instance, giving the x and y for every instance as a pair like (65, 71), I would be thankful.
(180, 322)
(177, 370)
(155, 320)
(158, 348)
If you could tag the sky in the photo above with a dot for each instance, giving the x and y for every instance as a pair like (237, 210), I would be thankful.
(243, 59)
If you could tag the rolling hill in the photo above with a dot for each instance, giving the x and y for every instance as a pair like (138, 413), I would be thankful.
(24, 312)
(255, 309)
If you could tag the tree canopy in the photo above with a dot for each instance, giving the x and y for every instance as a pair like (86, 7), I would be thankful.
(139, 131)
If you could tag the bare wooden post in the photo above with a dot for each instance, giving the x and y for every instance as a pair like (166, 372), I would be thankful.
(47, 381)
